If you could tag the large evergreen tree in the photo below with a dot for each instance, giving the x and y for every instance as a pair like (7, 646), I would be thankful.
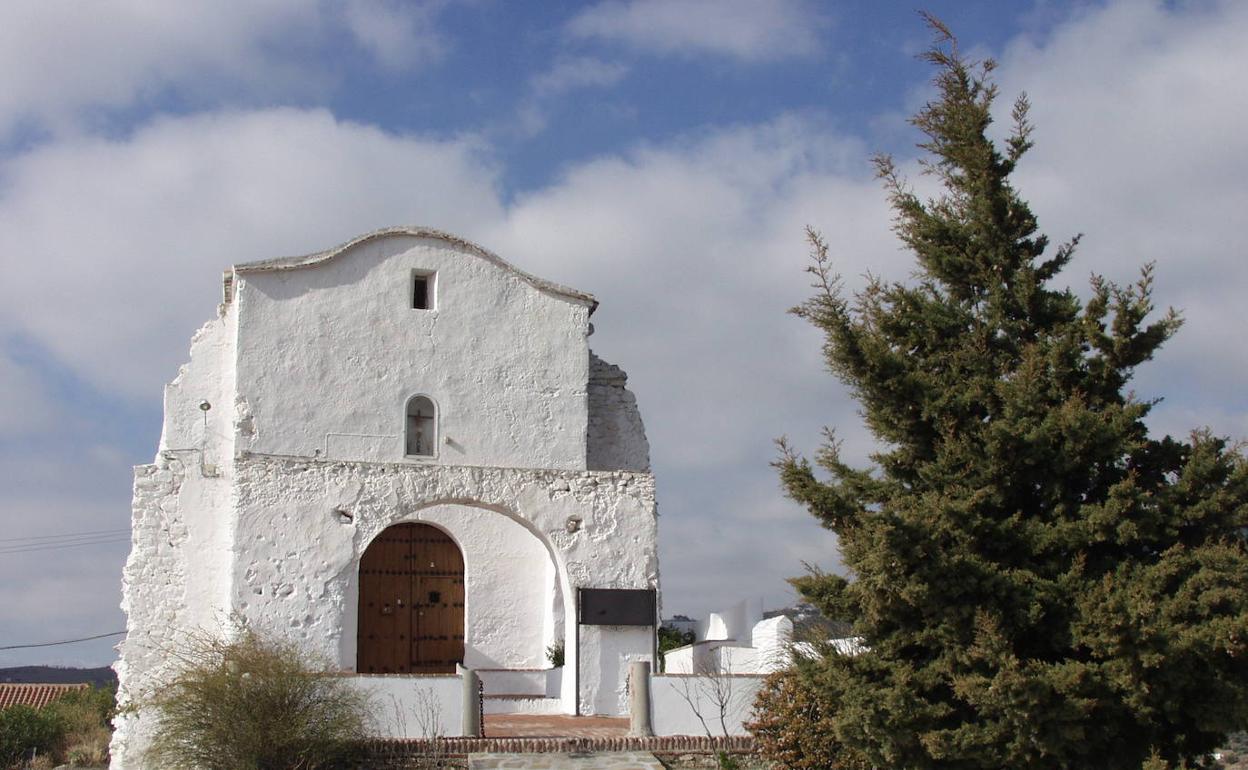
(1036, 581)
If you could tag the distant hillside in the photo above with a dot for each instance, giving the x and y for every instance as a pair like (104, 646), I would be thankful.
(57, 675)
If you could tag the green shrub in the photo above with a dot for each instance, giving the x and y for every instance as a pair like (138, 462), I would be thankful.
(25, 731)
(256, 704)
(86, 716)
(554, 653)
(670, 639)
(793, 728)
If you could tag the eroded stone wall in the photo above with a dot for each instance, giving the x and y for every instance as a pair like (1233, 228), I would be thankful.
(304, 524)
(318, 362)
(297, 527)
(617, 437)
(154, 600)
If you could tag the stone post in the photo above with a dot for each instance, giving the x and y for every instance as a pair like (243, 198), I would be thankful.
(639, 699)
(471, 726)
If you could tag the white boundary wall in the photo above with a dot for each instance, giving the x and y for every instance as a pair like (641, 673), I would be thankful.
(414, 706)
(677, 700)
(769, 650)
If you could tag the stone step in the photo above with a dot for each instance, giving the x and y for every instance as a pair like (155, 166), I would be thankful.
(521, 703)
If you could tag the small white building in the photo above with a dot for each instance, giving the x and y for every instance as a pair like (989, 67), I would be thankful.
(735, 641)
(401, 454)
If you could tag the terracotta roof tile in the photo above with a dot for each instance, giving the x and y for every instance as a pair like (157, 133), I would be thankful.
(34, 695)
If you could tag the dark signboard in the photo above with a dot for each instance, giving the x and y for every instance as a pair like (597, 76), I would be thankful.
(617, 607)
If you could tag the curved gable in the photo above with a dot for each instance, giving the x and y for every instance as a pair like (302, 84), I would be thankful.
(321, 257)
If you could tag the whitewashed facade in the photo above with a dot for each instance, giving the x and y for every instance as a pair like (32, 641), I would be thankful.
(407, 376)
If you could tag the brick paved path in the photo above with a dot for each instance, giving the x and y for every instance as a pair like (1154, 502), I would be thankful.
(554, 726)
(615, 760)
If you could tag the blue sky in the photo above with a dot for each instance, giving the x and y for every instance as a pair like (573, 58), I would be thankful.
(664, 156)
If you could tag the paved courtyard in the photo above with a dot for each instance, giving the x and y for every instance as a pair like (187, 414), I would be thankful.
(554, 726)
(612, 760)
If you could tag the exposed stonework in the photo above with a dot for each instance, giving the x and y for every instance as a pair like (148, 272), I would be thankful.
(153, 596)
(300, 584)
(617, 437)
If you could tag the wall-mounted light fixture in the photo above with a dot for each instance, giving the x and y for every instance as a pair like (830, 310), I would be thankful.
(205, 468)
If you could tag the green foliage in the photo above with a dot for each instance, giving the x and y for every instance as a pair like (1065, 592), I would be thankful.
(86, 716)
(25, 731)
(255, 704)
(74, 729)
(554, 653)
(670, 639)
(1038, 583)
(793, 726)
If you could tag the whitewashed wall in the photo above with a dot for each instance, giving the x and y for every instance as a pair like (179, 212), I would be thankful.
(677, 700)
(414, 706)
(508, 585)
(312, 561)
(306, 371)
(328, 355)
(605, 655)
(202, 441)
(770, 651)
(176, 581)
(735, 623)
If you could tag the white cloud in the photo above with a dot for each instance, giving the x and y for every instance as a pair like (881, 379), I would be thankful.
(116, 248)
(25, 407)
(694, 248)
(566, 75)
(60, 60)
(1139, 145)
(741, 29)
(59, 57)
(695, 251)
(572, 73)
(398, 35)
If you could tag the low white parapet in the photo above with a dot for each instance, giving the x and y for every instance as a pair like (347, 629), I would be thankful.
(735, 622)
(514, 681)
(406, 706)
(522, 704)
(697, 658)
(768, 650)
(684, 704)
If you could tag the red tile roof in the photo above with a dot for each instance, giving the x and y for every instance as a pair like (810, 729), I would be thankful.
(34, 695)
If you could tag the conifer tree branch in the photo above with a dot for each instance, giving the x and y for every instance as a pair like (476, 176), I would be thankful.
(1037, 582)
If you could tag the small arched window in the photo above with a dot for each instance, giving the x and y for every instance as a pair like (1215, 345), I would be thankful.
(422, 426)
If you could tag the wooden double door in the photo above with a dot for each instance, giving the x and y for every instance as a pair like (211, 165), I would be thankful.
(411, 618)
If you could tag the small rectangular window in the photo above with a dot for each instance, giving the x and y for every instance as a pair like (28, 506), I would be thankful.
(421, 295)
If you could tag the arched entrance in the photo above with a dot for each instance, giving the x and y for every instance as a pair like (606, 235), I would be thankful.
(411, 610)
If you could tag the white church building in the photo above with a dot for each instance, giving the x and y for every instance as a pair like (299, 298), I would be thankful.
(401, 454)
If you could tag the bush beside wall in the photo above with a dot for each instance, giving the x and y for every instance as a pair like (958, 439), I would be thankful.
(256, 703)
